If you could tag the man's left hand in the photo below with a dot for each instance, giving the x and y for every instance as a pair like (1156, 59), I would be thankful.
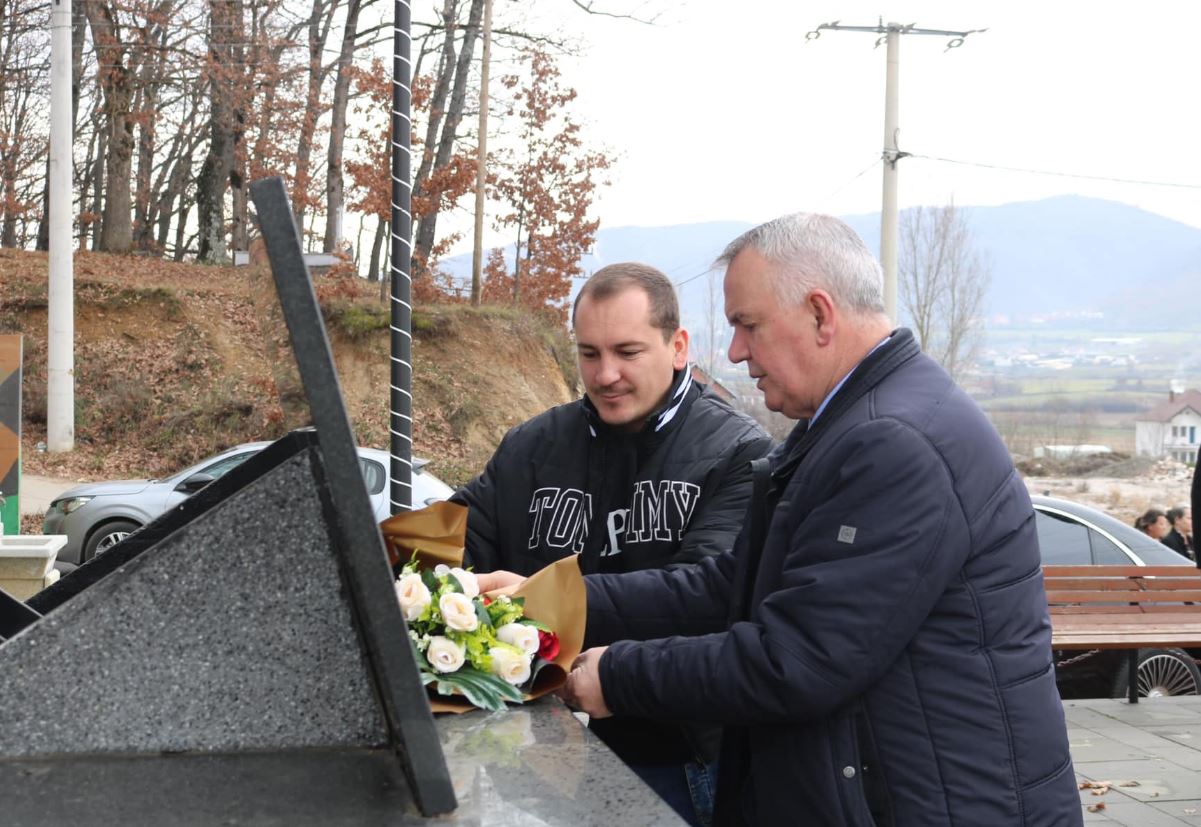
(583, 688)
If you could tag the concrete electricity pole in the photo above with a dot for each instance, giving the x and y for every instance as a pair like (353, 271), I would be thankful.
(60, 326)
(888, 210)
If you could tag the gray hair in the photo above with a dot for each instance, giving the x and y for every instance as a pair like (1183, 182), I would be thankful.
(811, 251)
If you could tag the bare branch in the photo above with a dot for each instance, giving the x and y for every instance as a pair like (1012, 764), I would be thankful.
(590, 8)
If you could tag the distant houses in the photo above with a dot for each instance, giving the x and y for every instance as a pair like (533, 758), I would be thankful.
(1171, 429)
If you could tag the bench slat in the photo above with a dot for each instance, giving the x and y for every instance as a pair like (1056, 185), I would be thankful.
(1054, 596)
(1120, 571)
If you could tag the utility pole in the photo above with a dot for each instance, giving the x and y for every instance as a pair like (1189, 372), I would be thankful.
(891, 38)
(481, 169)
(60, 323)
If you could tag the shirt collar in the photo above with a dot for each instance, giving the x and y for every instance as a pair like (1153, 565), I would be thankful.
(843, 380)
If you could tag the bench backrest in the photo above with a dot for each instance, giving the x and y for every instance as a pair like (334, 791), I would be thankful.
(1122, 589)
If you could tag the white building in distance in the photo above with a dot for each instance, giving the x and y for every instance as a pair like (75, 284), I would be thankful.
(1171, 429)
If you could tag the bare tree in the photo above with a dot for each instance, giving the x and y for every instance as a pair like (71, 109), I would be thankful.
(23, 143)
(714, 322)
(226, 122)
(335, 195)
(943, 280)
(116, 79)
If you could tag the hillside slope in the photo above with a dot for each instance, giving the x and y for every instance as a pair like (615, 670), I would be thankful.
(172, 365)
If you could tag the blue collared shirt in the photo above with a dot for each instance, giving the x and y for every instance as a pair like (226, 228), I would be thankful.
(843, 380)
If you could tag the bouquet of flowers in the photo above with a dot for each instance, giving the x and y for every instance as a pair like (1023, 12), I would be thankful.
(481, 647)
(480, 650)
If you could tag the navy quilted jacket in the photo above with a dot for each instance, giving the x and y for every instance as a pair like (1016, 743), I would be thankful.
(883, 656)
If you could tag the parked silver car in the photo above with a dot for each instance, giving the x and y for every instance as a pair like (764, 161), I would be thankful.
(97, 515)
(1073, 534)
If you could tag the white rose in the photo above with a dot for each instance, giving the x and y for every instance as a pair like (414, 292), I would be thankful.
(441, 570)
(471, 586)
(521, 635)
(445, 655)
(413, 596)
(510, 665)
(458, 611)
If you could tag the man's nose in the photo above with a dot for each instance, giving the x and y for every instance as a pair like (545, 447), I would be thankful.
(607, 371)
(737, 351)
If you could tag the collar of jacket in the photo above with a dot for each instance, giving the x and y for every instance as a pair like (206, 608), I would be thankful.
(680, 396)
(867, 374)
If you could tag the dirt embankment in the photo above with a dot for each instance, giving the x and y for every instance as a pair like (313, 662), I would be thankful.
(1120, 485)
(173, 362)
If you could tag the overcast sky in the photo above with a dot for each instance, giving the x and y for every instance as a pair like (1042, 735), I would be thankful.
(723, 110)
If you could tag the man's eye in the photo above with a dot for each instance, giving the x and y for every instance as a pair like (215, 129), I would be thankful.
(630, 354)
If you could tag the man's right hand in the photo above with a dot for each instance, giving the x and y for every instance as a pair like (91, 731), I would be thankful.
(490, 581)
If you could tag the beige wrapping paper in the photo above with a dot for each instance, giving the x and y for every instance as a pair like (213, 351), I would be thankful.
(554, 596)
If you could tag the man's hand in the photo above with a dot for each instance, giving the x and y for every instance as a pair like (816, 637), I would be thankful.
(490, 581)
(583, 688)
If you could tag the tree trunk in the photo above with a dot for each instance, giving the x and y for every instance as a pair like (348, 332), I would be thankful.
(181, 247)
(427, 225)
(98, 187)
(224, 29)
(318, 25)
(335, 196)
(116, 227)
(381, 232)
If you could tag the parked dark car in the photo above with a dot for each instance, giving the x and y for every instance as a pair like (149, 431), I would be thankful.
(1074, 534)
(98, 515)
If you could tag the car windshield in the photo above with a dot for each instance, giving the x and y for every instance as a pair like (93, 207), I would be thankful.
(223, 466)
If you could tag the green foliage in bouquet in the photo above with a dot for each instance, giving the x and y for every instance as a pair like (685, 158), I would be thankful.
(466, 643)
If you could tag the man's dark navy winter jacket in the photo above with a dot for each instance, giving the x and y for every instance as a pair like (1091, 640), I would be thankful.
(883, 658)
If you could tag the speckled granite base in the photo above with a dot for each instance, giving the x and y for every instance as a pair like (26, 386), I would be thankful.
(234, 633)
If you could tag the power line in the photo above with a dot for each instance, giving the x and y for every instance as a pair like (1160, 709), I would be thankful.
(1059, 174)
(704, 272)
(826, 199)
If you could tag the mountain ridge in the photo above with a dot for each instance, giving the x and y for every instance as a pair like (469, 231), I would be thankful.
(1065, 256)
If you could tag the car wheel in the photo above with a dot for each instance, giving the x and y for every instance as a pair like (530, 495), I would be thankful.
(1161, 672)
(107, 536)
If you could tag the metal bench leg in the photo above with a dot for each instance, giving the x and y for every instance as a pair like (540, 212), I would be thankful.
(1132, 659)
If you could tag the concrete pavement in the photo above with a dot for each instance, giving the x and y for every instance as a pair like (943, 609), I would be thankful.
(1141, 763)
(38, 492)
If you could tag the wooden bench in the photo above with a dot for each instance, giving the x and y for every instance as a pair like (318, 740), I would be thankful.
(1124, 607)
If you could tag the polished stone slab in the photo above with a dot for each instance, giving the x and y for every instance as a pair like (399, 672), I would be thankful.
(531, 765)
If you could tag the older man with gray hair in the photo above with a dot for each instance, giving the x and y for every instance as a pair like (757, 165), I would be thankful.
(876, 644)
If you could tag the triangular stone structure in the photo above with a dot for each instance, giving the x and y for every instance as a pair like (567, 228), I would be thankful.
(234, 631)
(249, 641)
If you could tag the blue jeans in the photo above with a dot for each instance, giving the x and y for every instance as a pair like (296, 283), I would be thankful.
(688, 788)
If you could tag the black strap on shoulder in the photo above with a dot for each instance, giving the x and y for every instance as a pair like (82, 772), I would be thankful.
(750, 544)
(760, 515)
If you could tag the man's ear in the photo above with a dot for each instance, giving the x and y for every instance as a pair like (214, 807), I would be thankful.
(825, 316)
(679, 347)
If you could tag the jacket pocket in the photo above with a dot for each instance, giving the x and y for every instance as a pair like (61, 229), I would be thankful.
(857, 771)
(871, 775)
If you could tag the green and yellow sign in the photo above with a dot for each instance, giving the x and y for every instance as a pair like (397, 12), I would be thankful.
(10, 433)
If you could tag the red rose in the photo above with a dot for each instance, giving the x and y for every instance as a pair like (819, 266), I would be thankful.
(548, 645)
